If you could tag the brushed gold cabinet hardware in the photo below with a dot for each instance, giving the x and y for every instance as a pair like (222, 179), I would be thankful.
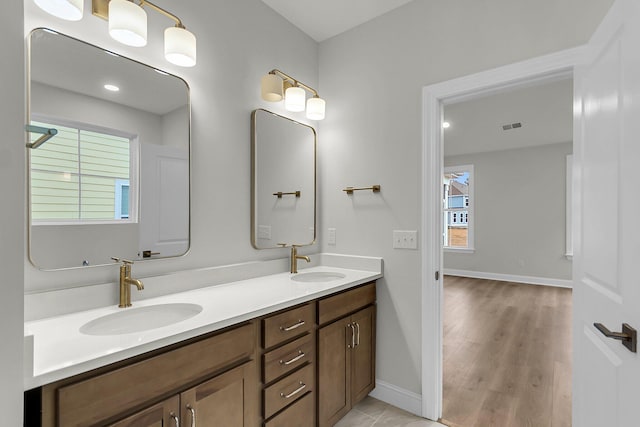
(294, 392)
(628, 336)
(357, 328)
(292, 327)
(193, 415)
(175, 419)
(374, 188)
(292, 193)
(353, 336)
(295, 359)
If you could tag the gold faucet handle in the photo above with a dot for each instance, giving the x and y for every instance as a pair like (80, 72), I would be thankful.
(126, 261)
(116, 259)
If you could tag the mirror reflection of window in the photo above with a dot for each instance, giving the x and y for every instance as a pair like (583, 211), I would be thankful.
(81, 175)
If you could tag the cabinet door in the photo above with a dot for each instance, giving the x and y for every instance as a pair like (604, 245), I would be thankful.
(163, 414)
(228, 400)
(363, 354)
(334, 365)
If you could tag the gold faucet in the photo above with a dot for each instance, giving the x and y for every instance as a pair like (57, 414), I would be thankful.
(295, 257)
(126, 281)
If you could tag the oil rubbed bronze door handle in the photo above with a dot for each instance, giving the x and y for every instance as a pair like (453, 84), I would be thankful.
(628, 336)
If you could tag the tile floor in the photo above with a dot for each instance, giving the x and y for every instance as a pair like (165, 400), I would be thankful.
(374, 413)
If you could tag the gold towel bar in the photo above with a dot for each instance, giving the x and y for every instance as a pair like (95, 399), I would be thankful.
(293, 193)
(374, 188)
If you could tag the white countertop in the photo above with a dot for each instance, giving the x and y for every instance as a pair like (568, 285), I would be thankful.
(56, 349)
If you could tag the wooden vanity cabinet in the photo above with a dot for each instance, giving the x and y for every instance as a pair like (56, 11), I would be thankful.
(346, 352)
(216, 376)
(288, 367)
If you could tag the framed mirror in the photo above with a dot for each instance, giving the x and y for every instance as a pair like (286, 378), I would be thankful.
(114, 179)
(283, 190)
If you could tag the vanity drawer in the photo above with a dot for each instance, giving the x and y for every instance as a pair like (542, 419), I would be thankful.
(83, 403)
(288, 390)
(290, 324)
(282, 360)
(347, 302)
(300, 414)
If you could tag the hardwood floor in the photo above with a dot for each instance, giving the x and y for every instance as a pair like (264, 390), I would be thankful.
(507, 354)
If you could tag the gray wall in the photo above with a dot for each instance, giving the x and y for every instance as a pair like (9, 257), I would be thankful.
(12, 214)
(520, 212)
(372, 78)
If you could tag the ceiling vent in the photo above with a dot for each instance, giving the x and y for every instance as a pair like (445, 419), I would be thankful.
(512, 126)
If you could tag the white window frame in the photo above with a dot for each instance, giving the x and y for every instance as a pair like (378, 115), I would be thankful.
(134, 168)
(470, 209)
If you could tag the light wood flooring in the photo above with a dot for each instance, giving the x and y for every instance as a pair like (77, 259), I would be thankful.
(372, 412)
(507, 354)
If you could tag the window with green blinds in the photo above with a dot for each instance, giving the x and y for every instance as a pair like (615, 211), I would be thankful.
(78, 175)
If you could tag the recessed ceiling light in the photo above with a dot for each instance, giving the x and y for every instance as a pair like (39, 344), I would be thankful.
(446, 125)
(112, 88)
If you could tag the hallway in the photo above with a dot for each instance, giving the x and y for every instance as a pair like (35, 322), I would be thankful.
(507, 354)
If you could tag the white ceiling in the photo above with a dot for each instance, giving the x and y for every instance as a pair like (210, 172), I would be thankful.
(326, 18)
(545, 111)
(66, 63)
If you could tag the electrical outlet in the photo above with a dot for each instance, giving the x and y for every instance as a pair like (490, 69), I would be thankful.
(264, 232)
(331, 236)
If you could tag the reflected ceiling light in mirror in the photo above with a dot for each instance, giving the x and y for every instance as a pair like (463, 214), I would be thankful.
(273, 84)
(446, 125)
(127, 23)
(70, 10)
(111, 88)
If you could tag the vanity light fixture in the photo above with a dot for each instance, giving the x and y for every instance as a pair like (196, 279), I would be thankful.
(128, 25)
(276, 83)
(70, 10)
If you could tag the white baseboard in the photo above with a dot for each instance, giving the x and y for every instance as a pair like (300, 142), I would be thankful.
(530, 280)
(398, 397)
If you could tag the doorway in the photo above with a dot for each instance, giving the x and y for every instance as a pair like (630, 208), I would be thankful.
(507, 346)
(551, 67)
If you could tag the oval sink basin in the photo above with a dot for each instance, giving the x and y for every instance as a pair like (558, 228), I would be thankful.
(140, 319)
(317, 276)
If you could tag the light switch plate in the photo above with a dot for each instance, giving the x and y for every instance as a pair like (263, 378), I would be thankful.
(405, 239)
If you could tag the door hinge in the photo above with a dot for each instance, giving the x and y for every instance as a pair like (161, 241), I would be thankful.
(437, 275)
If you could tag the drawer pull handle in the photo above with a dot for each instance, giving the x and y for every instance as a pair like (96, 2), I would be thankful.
(353, 336)
(175, 419)
(193, 415)
(292, 327)
(294, 392)
(295, 359)
(357, 333)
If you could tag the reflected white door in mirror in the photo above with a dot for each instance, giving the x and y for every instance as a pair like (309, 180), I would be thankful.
(114, 178)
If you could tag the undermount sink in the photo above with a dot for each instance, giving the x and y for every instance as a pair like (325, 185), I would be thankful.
(139, 319)
(317, 276)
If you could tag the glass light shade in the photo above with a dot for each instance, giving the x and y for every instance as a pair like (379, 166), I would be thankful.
(271, 88)
(127, 23)
(180, 46)
(294, 99)
(315, 108)
(71, 10)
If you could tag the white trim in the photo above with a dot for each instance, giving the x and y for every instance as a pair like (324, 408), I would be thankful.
(398, 397)
(529, 280)
(546, 68)
(569, 208)
(459, 250)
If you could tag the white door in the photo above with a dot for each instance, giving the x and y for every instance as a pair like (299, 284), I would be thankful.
(164, 200)
(606, 375)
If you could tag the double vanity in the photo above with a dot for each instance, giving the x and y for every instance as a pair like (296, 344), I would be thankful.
(283, 350)
(230, 346)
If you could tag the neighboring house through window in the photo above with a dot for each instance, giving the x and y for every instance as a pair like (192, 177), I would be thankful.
(82, 175)
(458, 208)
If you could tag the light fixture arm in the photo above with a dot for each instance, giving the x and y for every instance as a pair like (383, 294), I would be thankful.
(294, 82)
(164, 12)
